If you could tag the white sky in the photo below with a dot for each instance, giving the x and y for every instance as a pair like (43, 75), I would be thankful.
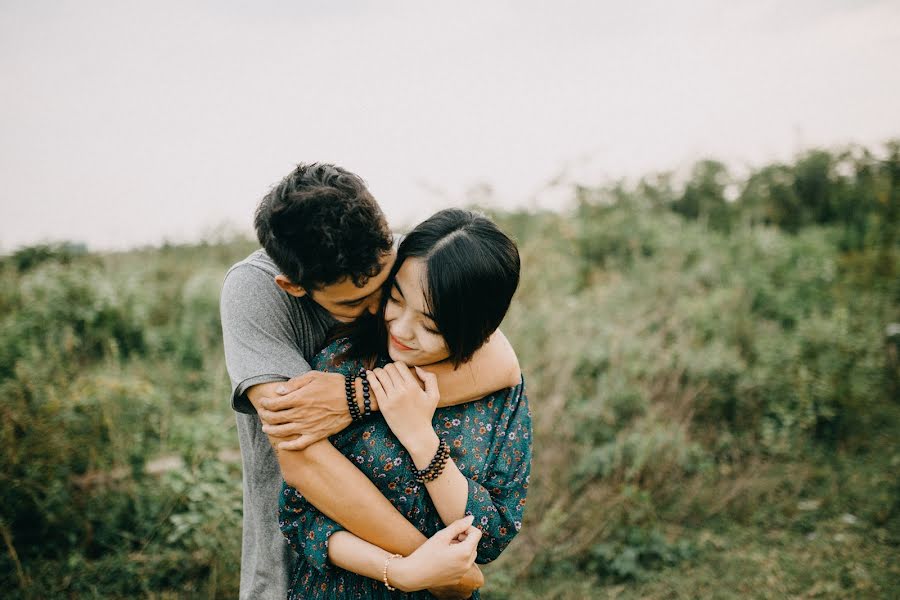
(126, 123)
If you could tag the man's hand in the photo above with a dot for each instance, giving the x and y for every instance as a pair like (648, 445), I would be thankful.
(472, 580)
(311, 407)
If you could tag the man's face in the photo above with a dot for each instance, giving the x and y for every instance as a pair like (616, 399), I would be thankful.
(346, 302)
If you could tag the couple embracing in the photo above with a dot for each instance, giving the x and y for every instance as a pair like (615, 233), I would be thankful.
(382, 417)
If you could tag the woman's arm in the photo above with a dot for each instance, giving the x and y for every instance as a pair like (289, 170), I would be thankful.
(439, 562)
(496, 498)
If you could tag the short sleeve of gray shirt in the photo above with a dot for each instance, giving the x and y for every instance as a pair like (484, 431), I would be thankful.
(268, 336)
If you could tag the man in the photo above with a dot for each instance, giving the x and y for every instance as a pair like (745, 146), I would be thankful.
(327, 252)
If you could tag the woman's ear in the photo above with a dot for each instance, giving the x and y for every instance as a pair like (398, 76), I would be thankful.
(291, 288)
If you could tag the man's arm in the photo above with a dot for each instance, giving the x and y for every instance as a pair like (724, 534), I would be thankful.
(340, 491)
(493, 367)
(312, 407)
(331, 483)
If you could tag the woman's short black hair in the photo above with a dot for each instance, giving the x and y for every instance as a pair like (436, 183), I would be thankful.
(472, 273)
(320, 225)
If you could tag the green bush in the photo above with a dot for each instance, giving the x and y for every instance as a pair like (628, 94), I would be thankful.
(705, 353)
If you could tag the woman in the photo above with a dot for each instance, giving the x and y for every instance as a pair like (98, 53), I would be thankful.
(459, 474)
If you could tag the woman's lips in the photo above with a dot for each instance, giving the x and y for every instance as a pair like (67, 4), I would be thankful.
(397, 343)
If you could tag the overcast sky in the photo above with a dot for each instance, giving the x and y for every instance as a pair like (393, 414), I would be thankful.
(126, 123)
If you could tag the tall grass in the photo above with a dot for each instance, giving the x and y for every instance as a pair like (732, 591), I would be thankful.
(703, 376)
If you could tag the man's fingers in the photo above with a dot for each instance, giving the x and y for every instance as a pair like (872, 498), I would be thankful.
(283, 430)
(286, 397)
(301, 442)
(274, 418)
(289, 400)
(297, 382)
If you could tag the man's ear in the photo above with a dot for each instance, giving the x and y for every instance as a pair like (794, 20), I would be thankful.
(291, 288)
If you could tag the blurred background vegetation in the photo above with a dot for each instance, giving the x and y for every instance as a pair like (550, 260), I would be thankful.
(712, 363)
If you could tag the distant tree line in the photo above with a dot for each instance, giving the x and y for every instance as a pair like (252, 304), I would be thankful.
(853, 188)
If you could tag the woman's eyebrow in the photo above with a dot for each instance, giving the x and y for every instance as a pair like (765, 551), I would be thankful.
(427, 314)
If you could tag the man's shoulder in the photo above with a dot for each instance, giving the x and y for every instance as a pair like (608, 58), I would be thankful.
(258, 261)
(250, 284)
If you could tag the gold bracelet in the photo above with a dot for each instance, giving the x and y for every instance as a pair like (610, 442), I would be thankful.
(384, 573)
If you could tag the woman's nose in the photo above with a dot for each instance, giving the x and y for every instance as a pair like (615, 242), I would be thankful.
(400, 328)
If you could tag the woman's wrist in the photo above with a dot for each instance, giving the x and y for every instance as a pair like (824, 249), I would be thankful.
(422, 447)
(401, 574)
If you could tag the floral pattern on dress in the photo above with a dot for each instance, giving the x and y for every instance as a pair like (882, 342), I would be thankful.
(490, 442)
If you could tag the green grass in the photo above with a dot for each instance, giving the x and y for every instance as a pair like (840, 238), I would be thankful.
(826, 529)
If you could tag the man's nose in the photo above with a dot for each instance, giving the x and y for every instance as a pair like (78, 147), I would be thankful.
(372, 304)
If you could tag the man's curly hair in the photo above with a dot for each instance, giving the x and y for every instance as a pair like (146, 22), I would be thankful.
(320, 225)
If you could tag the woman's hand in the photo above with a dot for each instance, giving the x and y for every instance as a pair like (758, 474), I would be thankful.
(407, 409)
(441, 561)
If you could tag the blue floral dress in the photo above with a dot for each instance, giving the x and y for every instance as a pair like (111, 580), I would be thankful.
(490, 442)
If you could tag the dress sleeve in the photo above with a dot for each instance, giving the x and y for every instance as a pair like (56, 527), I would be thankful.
(498, 499)
(306, 529)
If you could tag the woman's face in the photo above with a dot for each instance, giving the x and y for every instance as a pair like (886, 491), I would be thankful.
(413, 337)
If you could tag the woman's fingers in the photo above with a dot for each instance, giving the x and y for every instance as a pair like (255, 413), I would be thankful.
(406, 375)
(431, 384)
(455, 528)
(377, 388)
(386, 382)
(470, 544)
(394, 374)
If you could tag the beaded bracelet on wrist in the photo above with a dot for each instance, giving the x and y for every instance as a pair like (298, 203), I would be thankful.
(367, 400)
(352, 406)
(384, 572)
(436, 466)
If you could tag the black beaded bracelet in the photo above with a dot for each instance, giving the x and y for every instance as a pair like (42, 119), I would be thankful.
(367, 400)
(352, 406)
(436, 466)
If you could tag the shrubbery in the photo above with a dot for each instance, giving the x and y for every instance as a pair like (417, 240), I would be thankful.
(692, 352)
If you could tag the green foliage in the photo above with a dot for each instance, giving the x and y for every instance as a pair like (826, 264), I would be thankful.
(637, 555)
(29, 257)
(707, 360)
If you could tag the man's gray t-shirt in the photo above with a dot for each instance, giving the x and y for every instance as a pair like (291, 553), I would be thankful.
(269, 335)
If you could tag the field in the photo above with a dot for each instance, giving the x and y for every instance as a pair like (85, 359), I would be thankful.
(712, 365)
